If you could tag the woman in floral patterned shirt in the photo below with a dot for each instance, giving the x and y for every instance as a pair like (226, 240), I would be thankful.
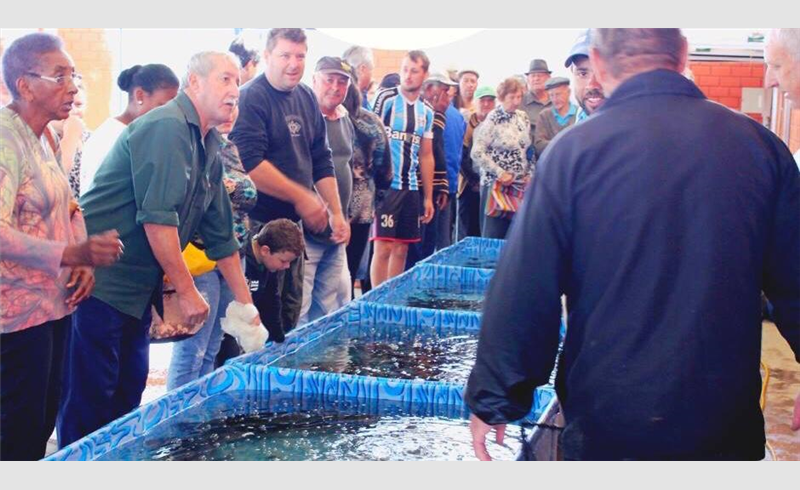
(500, 149)
(194, 357)
(43, 246)
(372, 168)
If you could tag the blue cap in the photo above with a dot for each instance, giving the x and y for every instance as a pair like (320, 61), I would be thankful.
(580, 48)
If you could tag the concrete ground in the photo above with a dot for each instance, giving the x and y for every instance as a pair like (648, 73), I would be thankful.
(782, 390)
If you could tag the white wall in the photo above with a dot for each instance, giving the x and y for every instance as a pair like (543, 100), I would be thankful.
(494, 53)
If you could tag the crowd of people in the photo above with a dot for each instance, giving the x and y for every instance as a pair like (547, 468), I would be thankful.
(234, 190)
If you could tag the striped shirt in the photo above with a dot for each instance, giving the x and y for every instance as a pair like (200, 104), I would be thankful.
(406, 124)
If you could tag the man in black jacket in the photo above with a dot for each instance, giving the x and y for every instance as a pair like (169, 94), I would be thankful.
(282, 142)
(661, 218)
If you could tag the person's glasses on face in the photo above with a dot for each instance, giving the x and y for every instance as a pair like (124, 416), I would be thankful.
(60, 80)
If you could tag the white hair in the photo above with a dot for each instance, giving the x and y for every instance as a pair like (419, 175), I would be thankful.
(789, 38)
(203, 62)
(356, 56)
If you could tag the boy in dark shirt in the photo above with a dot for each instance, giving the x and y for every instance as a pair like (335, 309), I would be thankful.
(273, 248)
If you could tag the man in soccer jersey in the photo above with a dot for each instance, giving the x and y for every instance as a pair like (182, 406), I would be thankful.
(409, 127)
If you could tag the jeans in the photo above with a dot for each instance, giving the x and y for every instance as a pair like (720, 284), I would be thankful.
(31, 365)
(105, 369)
(322, 280)
(359, 240)
(193, 358)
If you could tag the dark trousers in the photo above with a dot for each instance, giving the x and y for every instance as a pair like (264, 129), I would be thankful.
(492, 227)
(443, 221)
(106, 368)
(228, 349)
(30, 388)
(424, 248)
(359, 238)
(427, 244)
(496, 227)
(469, 214)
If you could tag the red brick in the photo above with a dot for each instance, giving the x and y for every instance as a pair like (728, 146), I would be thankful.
(730, 82)
(741, 71)
(718, 92)
(752, 82)
(709, 81)
(721, 70)
(701, 69)
(731, 102)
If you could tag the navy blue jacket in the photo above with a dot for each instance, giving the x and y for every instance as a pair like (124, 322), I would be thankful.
(661, 218)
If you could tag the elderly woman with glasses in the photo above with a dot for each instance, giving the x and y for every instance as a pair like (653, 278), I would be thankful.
(45, 256)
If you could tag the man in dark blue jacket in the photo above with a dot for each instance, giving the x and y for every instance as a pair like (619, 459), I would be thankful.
(661, 218)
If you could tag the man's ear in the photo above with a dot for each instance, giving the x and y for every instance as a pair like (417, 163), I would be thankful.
(683, 56)
(194, 82)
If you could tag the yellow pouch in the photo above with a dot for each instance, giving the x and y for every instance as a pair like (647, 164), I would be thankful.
(196, 261)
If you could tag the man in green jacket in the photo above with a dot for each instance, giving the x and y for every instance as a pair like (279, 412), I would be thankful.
(159, 185)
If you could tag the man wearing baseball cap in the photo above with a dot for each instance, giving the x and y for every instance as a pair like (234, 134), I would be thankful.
(437, 94)
(588, 91)
(326, 258)
(559, 117)
(536, 98)
(469, 181)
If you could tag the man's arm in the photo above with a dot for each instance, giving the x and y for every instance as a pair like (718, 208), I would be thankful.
(166, 246)
(271, 181)
(329, 191)
(782, 262)
(521, 319)
(231, 269)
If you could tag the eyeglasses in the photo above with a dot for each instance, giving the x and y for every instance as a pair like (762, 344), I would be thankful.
(60, 80)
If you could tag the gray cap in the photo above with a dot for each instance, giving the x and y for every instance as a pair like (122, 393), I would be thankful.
(440, 78)
(580, 48)
(334, 64)
(538, 66)
(556, 82)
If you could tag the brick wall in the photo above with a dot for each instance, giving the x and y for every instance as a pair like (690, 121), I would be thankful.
(386, 61)
(89, 49)
(794, 131)
(723, 81)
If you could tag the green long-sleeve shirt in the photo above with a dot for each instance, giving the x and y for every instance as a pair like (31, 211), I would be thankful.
(160, 171)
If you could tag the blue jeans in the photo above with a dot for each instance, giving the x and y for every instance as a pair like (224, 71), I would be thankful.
(193, 358)
(105, 368)
(322, 280)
